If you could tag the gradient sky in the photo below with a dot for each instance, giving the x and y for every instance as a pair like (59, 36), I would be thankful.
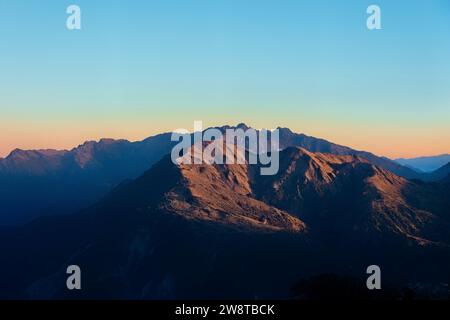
(141, 67)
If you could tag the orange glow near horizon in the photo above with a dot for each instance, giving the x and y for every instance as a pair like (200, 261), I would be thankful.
(390, 142)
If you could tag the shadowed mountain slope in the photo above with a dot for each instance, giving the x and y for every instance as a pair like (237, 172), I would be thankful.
(198, 231)
(440, 174)
(348, 196)
(39, 182)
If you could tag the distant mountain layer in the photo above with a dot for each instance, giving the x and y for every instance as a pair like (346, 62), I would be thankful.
(40, 182)
(225, 231)
(425, 164)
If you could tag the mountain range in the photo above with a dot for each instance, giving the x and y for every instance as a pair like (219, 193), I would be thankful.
(425, 164)
(225, 231)
(42, 182)
(37, 182)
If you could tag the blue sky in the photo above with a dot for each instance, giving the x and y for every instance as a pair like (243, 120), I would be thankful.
(140, 67)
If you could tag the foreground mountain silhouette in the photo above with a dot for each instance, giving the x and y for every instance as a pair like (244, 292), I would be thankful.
(440, 174)
(41, 182)
(224, 231)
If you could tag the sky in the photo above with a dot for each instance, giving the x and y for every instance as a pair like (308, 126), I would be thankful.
(137, 68)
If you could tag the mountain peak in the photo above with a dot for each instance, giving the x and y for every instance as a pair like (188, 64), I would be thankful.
(285, 130)
(21, 154)
(242, 126)
(219, 195)
(17, 152)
